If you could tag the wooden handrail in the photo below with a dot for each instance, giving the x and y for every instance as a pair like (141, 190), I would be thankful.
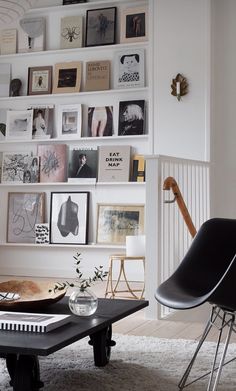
(171, 184)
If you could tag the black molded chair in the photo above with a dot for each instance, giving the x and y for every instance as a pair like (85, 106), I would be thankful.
(207, 274)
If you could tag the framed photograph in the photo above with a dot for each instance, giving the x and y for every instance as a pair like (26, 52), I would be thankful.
(82, 165)
(67, 77)
(100, 26)
(24, 211)
(131, 118)
(42, 121)
(129, 69)
(100, 121)
(13, 166)
(69, 121)
(115, 222)
(69, 217)
(134, 25)
(39, 80)
(19, 124)
(53, 162)
(42, 233)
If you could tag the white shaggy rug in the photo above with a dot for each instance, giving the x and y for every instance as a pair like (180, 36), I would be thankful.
(137, 364)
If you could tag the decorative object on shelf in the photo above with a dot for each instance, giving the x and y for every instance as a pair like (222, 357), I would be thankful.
(114, 163)
(67, 77)
(131, 118)
(129, 68)
(15, 86)
(42, 121)
(5, 78)
(100, 121)
(134, 25)
(100, 26)
(179, 86)
(116, 221)
(82, 301)
(24, 211)
(82, 165)
(138, 168)
(42, 233)
(69, 121)
(13, 164)
(53, 162)
(66, 2)
(19, 125)
(8, 41)
(71, 32)
(97, 75)
(69, 217)
(31, 35)
(40, 80)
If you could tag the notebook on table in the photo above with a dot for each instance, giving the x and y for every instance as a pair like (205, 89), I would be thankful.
(31, 322)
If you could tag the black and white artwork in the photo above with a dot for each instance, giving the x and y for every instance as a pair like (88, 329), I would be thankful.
(129, 69)
(131, 118)
(31, 169)
(100, 121)
(42, 121)
(82, 165)
(69, 121)
(13, 166)
(19, 124)
(69, 217)
(42, 233)
(134, 24)
(100, 26)
(3, 120)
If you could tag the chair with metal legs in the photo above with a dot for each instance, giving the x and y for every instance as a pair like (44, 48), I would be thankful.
(207, 274)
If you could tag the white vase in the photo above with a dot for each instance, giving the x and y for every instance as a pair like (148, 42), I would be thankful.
(83, 303)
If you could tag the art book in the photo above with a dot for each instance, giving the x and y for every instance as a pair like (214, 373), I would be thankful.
(129, 69)
(53, 162)
(31, 322)
(131, 118)
(71, 32)
(138, 169)
(97, 75)
(82, 165)
(8, 41)
(114, 163)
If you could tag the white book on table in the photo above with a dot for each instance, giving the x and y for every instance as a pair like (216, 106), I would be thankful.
(31, 322)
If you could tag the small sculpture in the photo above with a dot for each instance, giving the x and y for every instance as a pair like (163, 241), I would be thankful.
(15, 87)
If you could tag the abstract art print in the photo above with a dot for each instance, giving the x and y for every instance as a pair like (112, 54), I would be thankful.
(24, 211)
(42, 233)
(69, 217)
(13, 166)
(53, 162)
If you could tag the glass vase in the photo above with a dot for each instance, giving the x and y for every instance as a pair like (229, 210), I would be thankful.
(83, 303)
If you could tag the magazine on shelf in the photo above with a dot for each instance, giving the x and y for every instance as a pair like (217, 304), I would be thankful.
(114, 163)
(31, 322)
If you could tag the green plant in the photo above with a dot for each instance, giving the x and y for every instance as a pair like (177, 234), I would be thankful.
(80, 282)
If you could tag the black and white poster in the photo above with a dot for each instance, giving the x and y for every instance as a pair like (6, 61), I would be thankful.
(131, 118)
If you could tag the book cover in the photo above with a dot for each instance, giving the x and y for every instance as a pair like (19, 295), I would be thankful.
(31, 35)
(138, 169)
(100, 121)
(131, 118)
(114, 163)
(97, 75)
(129, 69)
(5, 78)
(31, 169)
(82, 165)
(53, 162)
(71, 32)
(31, 322)
(8, 41)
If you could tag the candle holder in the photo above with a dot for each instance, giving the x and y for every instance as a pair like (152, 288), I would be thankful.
(179, 86)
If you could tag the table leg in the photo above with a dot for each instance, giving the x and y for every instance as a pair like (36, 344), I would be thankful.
(102, 342)
(24, 372)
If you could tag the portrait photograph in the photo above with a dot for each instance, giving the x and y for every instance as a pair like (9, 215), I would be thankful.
(24, 211)
(42, 121)
(129, 69)
(82, 165)
(100, 121)
(19, 124)
(115, 222)
(67, 77)
(131, 118)
(69, 217)
(31, 170)
(69, 121)
(134, 25)
(100, 26)
(39, 80)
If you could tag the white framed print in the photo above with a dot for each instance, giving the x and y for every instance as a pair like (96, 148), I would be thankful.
(134, 25)
(129, 69)
(69, 121)
(19, 124)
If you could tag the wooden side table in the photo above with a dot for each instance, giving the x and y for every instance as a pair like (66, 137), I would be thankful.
(113, 290)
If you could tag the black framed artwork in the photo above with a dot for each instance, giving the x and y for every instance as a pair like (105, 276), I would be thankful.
(100, 26)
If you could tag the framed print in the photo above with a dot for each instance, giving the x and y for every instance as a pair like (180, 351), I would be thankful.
(19, 124)
(53, 162)
(67, 77)
(24, 211)
(131, 118)
(71, 32)
(40, 80)
(13, 166)
(100, 121)
(100, 26)
(42, 233)
(134, 25)
(82, 165)
(69, 217)
(69, 121)
(42, 121)
(129, 69)
(115, 222)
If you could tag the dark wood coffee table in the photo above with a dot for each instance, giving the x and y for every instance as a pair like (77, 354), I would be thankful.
(21, 349)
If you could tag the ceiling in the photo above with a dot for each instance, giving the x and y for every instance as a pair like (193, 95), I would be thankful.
(11, 10)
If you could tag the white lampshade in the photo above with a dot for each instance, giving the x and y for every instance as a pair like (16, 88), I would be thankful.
(135, 246)
(11, 10)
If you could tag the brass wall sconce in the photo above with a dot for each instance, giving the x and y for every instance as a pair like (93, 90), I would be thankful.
(179, 86)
